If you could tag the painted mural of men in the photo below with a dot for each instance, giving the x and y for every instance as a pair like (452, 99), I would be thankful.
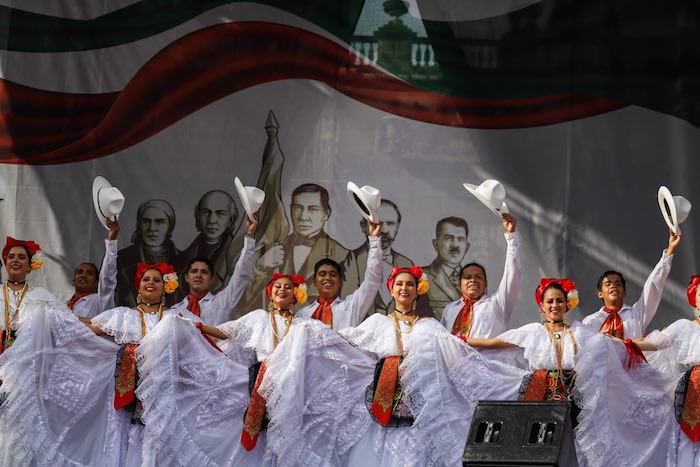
(214, 216)
(451, 244)
(151, 243)
(356, 261)
(308, 243)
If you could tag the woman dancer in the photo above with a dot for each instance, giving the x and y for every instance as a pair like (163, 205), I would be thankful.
(621, 415)
(679, 357)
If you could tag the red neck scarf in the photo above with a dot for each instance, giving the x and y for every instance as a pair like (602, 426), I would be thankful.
(463, 322)
(613, 323)
(193, 302)
(324, 313)
(74, 299)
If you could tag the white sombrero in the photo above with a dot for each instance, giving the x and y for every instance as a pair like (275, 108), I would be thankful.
(251, 197)
(675, 209)
(108, 200)
(367, 200)
(492, 194)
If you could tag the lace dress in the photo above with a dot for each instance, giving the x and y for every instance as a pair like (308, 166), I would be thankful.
(624, 413)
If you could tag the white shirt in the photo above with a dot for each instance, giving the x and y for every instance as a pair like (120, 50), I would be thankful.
(636, 318)
(215, 309)
(492, 312)
(95, 303)
(351, 311)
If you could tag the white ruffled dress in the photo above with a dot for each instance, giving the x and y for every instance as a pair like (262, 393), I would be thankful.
(58, 388)
(679, 352)
(624, 415)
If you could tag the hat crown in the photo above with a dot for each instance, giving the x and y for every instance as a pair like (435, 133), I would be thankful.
(111, 201)
(493, 191)
(683, 207)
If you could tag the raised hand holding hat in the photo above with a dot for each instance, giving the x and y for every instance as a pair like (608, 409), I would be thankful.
(107, 200)
(367, 201)
(675, 209)
(251, 197)
(491, 193)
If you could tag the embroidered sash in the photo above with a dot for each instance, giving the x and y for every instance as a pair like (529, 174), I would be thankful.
(545, 385)
(689, 419)
(5, 343)
(384, 397)
(126, 378)
(255, 419)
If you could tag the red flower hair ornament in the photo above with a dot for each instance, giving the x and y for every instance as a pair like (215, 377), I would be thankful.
(568, 285)
(167, 271)
(416, 272)
(692, 287)
(32, 248)
(300, 293)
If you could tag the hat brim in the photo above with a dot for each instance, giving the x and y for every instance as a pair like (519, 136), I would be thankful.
(359, 199)
(248, 206)
(503, 209)
(668, 209)
(98, 184)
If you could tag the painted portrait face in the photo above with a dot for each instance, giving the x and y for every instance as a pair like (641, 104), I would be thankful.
(308, 214)
(390, 224)
(199, 278)
(214, 216)
(451, 245)
(154, 227)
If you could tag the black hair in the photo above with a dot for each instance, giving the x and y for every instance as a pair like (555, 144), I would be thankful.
(314, 188)
(97, 270)
(329, 262)
(456, 221)
(200, 259)
(461, 271)
(610, 273)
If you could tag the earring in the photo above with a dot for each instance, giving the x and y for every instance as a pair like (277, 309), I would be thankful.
(270, 307)
(162, 300)
(139, 299)
(415, 302)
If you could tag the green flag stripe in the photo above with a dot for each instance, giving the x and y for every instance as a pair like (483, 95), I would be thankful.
(34, 32)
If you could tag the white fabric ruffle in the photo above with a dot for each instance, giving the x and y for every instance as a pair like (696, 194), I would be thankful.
(194, 400)
(58, 386)
(124, 324)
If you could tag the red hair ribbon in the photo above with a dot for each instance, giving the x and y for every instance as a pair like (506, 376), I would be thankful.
(567, 284)
(415, 271)
(141, 268)
(692, 287)
(31, 246)
(296, 280)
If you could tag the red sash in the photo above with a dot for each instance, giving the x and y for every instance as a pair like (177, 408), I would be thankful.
(125, 384)
(385, 392)
(74, 299)
(690, 421)
(324, 313)
(193, 302)
(463, 322)
(255, 414)
(613, 323)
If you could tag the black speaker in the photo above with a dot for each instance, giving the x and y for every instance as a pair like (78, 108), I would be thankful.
(519, 433)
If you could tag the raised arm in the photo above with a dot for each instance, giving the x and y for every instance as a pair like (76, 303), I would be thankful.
(360, 300)
(648, 303)
(508, 289)
(227, 299)
(495, 343)
(107, 283)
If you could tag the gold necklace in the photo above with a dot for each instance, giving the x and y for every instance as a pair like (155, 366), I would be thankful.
(276, 338)
(397, 328)
(558, 343)
(11, 315)
(142, 313)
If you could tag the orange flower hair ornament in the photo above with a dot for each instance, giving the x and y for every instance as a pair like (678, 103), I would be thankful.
(170, 282)
(417, 272)
(33, 248)
(568, 285)
(692, 287)
(300, 291)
